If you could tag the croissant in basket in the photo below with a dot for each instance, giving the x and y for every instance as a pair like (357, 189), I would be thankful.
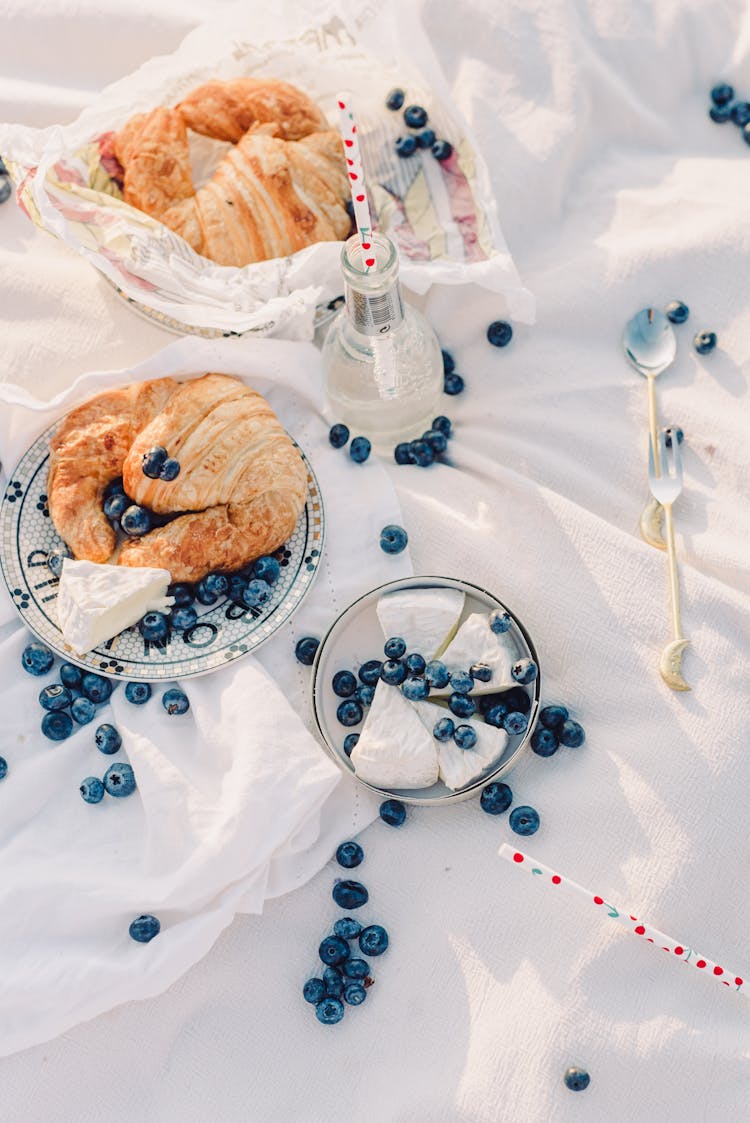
(241, 487)
(283, 185)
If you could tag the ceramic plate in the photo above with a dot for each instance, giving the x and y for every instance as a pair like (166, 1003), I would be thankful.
(356, 636)
(224, 631)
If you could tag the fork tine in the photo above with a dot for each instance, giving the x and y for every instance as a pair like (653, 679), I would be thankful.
(663, 455)
(676, 457)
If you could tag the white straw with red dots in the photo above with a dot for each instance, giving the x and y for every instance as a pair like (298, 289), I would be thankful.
(348, 128)
(632, 923)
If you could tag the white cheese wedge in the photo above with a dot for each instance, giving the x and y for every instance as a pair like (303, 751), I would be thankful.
(458, 767)
(475, 642)
(395, 750)
(97, 602)
(426, 619)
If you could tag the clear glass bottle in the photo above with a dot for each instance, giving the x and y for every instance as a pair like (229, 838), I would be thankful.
(382, 366)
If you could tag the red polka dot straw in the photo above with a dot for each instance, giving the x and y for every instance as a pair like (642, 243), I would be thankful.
(348, 127)
(605, 908)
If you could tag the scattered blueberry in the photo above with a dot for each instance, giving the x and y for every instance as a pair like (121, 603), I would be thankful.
(57, 725)
(356, 968)
(393, 813)
(405, 146)
(349, 855)
(144, 928)
(499, 621)
(343, 684)
(524, 671)
(373, 940)
(116, 506)
(499, 333)
(677, 312)
(571, 734)
(217, 583)
(96, 688)
(170, 470)
(442, 150)
(496, 798)
(119, 780)
(395, 647)
(704, 342)
(423, 454)
(426, 138)
(436, 674)
(441, 424)
(304, 650)
(414, 688)
(153, 461)
(154, 627)
(91, 789)
(365, 694)
(329, 1011)
(3, 768)
(443, 729)
(369, 672)
(6, 188)
(136, 521)
(462, 705)
(37, 659)
(415, 116)
(256, 593)
(449, 364)
(722, 94)
(55, 559)
(395, 99)
(350, 894)
(746, 134)
(552, 716)
(437, 441)
(349, 742)
(576, 1079)
(359, 449)
(415, 663)
(515, 723)
(338, 435)
(205, 595)
(720, 114)
(676, 432)
(333, 950)
(465, 736)
(462, 682)
(175, 701)
(83, 710)
(182, 619)
(543, 741)
(348, 929)
(393, 672)
(333, 982)
(267, 569)
(70, 676)
(55, 697)
(393, 539)
(107, 739)
(524, 820)
(183, 594)
(402, 453)
(354, 994)
(137, 692)
(313, 991)
(480, 672)
(349, 712)
(453, 384)
(741, 113)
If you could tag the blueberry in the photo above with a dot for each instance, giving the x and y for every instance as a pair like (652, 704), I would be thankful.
(402, 453)
(722, 94)
(348, 929)
(395, 647)
(422, 454)
(175, 701)
(453, 384)
(334, 950)
(571, 734)
(365, 694)
(517, 699)
(114, 487)
(462, 682)
(543, 741)
(354, 994)
(415, 663)
(499, 333)
(343, 684)
(436, 674)
(369, 672)
(170, 470)
(91, 789)
(338, 435)
(55, 697)
(70, 676)
(373, 940)
(154, 627)
(442, 150)
(267, 569)
(83, 711)
(356, 968)
(496, 715)
(204, 594)
(329, 1011)
(480, 672)
(462, 705)
(720, 114)
(746, 134)
(6, 188)
(3, 768)
(137, 692)
(349, 855)
(443, 729)
(107, 739)
(153, 460)
(414, 688)
(57, 725)
(395, 99)
(496, 798)
(515, 723)
(144, 928)
(393, 672)
(552, 716)
(119, 780)
(499, 621)
(437, 441)
(96, 688)
(349, 742)
(392, 812)
(349, 712)
(524, 671)
(676, 432)
(359, 449)
(136, 521)
(741, 113)
(350, 894)
(256, 593)
(313, 991)
(217, 583)
(37, 659)
(182, 619)
(465, 736)
(236, 590)
(116, 506)
(524, 820)
(576, 1079)
(183, 594)
(704, 342)
(449, 365)
(677, 312)
(333, 982)
(304, 650)
(393, 539)
(415, 116)
(441, 424)
(55, 559)
(405, 146)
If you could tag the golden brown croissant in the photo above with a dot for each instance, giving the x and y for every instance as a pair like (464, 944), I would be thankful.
(283, 185)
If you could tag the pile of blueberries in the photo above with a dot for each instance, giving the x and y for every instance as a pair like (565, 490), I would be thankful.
(359, 449)
(415, 118)
(345, 977)
(724, 108)
(425, 450)
(704, 342)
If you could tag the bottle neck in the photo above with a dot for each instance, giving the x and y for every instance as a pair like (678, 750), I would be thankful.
(375, 312)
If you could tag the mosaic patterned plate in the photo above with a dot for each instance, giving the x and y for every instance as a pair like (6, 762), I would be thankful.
(223, 632)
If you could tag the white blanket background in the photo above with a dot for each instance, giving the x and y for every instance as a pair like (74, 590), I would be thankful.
(615, 191)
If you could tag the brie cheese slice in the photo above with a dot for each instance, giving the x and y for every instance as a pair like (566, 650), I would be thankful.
(395, 750)
(458, 767)
(426, 619)
(97, 602)
(475, 642)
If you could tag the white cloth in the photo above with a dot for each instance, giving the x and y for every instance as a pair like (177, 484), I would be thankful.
(236, 802)
(615, 190)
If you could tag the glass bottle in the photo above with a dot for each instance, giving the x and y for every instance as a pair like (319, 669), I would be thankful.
(382, 366)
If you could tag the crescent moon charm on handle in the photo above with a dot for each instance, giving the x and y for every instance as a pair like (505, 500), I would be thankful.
(650, 524)
(670, 664)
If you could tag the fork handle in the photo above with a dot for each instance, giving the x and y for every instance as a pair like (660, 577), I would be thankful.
(674, 584)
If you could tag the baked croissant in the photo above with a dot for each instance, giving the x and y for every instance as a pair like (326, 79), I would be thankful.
(242, 483)
(283, 185)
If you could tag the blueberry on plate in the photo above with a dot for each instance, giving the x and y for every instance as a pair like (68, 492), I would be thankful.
(349, 742)
(524, 671)
(405, 146)
(91, 789)
(349, 712)
(329, 1011)
(369, 672)
(153, 460)
(37, 659)
(571, 734)
(704, 342)
(517, 699)
(524, 820)
(465, 736)
(83, 710)
(334, 950)
(349, 855)
(449, 365)
(443, 729)
(415, 688)
(496, 798)
(107, 739)
(343, 684)
(722, 94)
(552, 716)
(373, 940)
(354, 994)
(350, 894)
(96, 688)
(437, 441)
(677, 312)
(236, 590)
(720, 114)
(499, 621)
(182, 619)
(393, 672)
(741, 113)
(395, 647)
(393, 539)
(175, 701)
(256, 593)
(544, 742)
(55, 559)
(462, 705)
(515, 723)
(154, 627)
(402, 453)
(481, 672)
(423, 454)
(462, 682)
(3, 768)
(365, 694)
(348, 929)
(313, 991)
(138, 693)
(304, 650)
(415, 116)
(395, 99)
(499, 333)
(436, 674)
(116, 506)
(136, 521)
(360, 449)
(55, 697)
(392, 812)
(144, 928)
(333, 982)
(442, 150)
(170, 470)
(441, 424)
(57, 725)
(453, 384)
(216, 583)
(576, 1079)
(356, 968)
(338, 435)
(203, 593)
(183, 594)
(496, 714)
(119, 780)
(267, 569)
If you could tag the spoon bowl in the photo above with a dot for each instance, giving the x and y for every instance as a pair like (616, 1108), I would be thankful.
(649, 342)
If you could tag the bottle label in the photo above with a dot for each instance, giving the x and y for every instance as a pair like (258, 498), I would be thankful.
(375, 314)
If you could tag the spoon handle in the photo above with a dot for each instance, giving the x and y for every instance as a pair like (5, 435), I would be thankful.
(653, 423)
(650, 523)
